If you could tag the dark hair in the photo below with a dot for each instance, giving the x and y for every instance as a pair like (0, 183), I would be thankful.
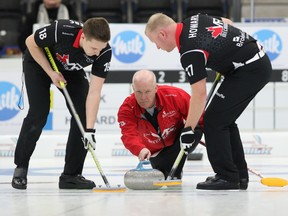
(97, 28)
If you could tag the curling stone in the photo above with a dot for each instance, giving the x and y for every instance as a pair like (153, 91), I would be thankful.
(142, 178)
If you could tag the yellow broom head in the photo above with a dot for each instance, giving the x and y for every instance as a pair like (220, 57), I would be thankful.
(274, 182)
(109, 189)
(167, 182)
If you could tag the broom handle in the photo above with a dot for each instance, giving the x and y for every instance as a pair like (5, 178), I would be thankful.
(67, 96)
(255, 173)
(216, 81)
(76, 116)
(181, 153)
(175, 165)
(99, 167)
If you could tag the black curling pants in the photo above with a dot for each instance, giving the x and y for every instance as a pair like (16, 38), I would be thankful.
(166, 158)
(38, 90)
(223, 142)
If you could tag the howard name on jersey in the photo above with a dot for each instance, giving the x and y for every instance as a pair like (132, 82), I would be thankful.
(208, 42)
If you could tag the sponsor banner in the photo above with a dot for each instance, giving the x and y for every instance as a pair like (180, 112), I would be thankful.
(11, 117)
(262, 144)
(54, 146)
(10, 99)
(13, 95)
(112, 96)
(132, 50)
(265, 19)
(106, 120)
(270, 144)
(13, 106)
(272, 38)
(48, 146)
(61, 120)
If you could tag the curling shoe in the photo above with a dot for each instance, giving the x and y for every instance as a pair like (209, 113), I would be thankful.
(243, 183)
(75, 182)
(217, 183)
(19, 180)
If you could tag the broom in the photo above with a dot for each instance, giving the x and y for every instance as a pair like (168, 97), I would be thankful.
(76, 116)
(169, 180)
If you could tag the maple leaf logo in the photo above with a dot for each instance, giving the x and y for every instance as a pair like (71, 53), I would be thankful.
(215, 30)
(64, 58)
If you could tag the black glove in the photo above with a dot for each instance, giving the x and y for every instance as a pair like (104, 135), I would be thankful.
(189, 139)
(89, 138)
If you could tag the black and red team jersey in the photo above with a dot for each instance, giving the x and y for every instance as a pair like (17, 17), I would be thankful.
(62, 37)
(206, 42)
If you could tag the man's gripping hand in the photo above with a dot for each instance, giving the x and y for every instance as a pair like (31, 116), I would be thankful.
(189, 140)
(89, 138)
(144, 154)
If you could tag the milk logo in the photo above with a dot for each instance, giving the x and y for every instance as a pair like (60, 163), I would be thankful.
(271, 41)
(128, 46)
(9, 97)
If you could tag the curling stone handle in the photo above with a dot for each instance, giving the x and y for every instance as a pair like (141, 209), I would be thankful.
(141, 163)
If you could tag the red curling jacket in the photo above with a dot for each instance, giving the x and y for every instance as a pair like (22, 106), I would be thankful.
(172, 104)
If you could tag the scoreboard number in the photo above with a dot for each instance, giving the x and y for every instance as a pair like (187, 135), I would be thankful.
(284, 76)
(161, 78)
(182, 76)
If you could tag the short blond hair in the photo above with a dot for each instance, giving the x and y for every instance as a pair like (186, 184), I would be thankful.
(158, 20)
